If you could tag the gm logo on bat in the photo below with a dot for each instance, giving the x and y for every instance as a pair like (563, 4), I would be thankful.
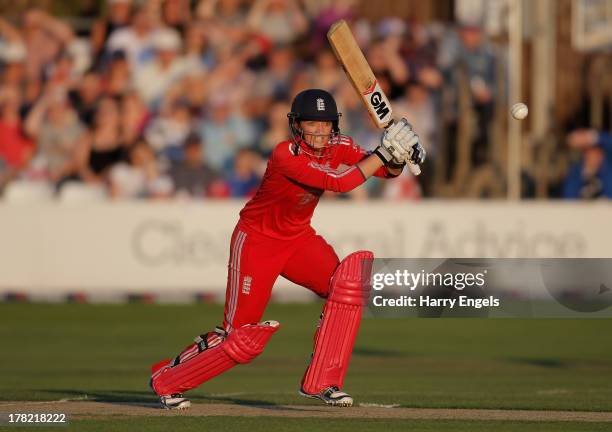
(378, 101)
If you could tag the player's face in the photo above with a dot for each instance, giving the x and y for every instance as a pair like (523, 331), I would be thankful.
(316, 133)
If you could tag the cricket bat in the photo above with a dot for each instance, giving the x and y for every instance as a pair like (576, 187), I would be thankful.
(361, 76)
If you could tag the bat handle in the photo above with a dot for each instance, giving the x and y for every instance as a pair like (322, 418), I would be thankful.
(414, 168)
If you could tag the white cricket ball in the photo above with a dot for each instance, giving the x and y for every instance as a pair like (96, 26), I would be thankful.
(519, 111)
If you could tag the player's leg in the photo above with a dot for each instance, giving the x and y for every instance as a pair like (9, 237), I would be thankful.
(253, 267)
(312, 265)
(339, 322)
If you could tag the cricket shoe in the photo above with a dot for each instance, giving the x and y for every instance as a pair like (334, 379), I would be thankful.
(174, 402)
(331, 396)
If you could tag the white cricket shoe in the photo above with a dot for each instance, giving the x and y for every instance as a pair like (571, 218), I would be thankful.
(174, 402)
(331, 396)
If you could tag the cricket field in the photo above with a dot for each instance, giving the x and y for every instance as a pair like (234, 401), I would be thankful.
(92, 362)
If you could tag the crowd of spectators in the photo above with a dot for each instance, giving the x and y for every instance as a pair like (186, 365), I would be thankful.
(180, 98)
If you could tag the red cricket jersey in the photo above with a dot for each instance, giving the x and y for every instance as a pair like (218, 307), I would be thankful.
(293, 183)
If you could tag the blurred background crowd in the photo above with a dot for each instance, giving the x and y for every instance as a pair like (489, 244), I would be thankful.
(186, 98)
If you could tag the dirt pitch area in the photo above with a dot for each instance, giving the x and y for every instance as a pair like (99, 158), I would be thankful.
(90, 409)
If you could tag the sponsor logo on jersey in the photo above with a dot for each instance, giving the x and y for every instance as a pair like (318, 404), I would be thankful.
(246, 285)
(320, 104)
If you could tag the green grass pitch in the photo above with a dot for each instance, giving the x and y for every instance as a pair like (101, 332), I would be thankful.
(103, 352)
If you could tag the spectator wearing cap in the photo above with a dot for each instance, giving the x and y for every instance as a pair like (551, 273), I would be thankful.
(166, 68)
(192, 176)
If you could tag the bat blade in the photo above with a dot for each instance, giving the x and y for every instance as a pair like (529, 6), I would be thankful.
(360, 74)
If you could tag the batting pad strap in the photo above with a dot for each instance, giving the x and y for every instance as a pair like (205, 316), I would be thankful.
(342, 312)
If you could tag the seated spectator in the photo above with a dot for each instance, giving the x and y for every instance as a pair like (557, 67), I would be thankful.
(166, 68)
(168, 132)
(135, 40)
(117, 79)
(56, 128)
(134, 117)
(192, 176)
(84, 97)
(45, 37)
(101, 147)
(591, 176)
(16, 149)
(281, 21)
(118, 16)
(225, 130)
(141, 176)
(244, 179)
(277, 127)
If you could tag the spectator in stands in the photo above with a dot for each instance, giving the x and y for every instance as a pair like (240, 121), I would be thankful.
(12, 54)
(119, 14)
(56, 128)
(281, 21)
(277, 127)
(192, 176)
(244, 179)
(140, 176)
(165, 69)
(167, 133)
(176, 14)
(472, 53)
(101, 147)
(591, 176)
(135, 39)
(224, 130)
(117, 79)
(16, 149)
(134, 117)
(45, 37)
(84, 97)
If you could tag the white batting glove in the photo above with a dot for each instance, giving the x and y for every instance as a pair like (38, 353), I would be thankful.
(409, 140)
(391, 149)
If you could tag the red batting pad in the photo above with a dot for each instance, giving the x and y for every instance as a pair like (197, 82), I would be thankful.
(241, 346)
(349, 291)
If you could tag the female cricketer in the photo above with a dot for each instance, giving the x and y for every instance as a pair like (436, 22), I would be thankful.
(274, 237)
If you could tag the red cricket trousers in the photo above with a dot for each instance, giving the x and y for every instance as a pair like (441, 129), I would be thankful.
(255, 263)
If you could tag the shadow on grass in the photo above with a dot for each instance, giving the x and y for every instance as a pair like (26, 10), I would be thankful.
(373, 352)
(148, 399)
(546, 362)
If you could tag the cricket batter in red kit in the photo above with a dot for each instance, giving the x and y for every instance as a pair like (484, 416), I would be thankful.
(274, 238)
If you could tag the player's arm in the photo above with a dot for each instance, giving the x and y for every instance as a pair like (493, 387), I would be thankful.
(353, 154)
(399, 145)
(399, 135)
